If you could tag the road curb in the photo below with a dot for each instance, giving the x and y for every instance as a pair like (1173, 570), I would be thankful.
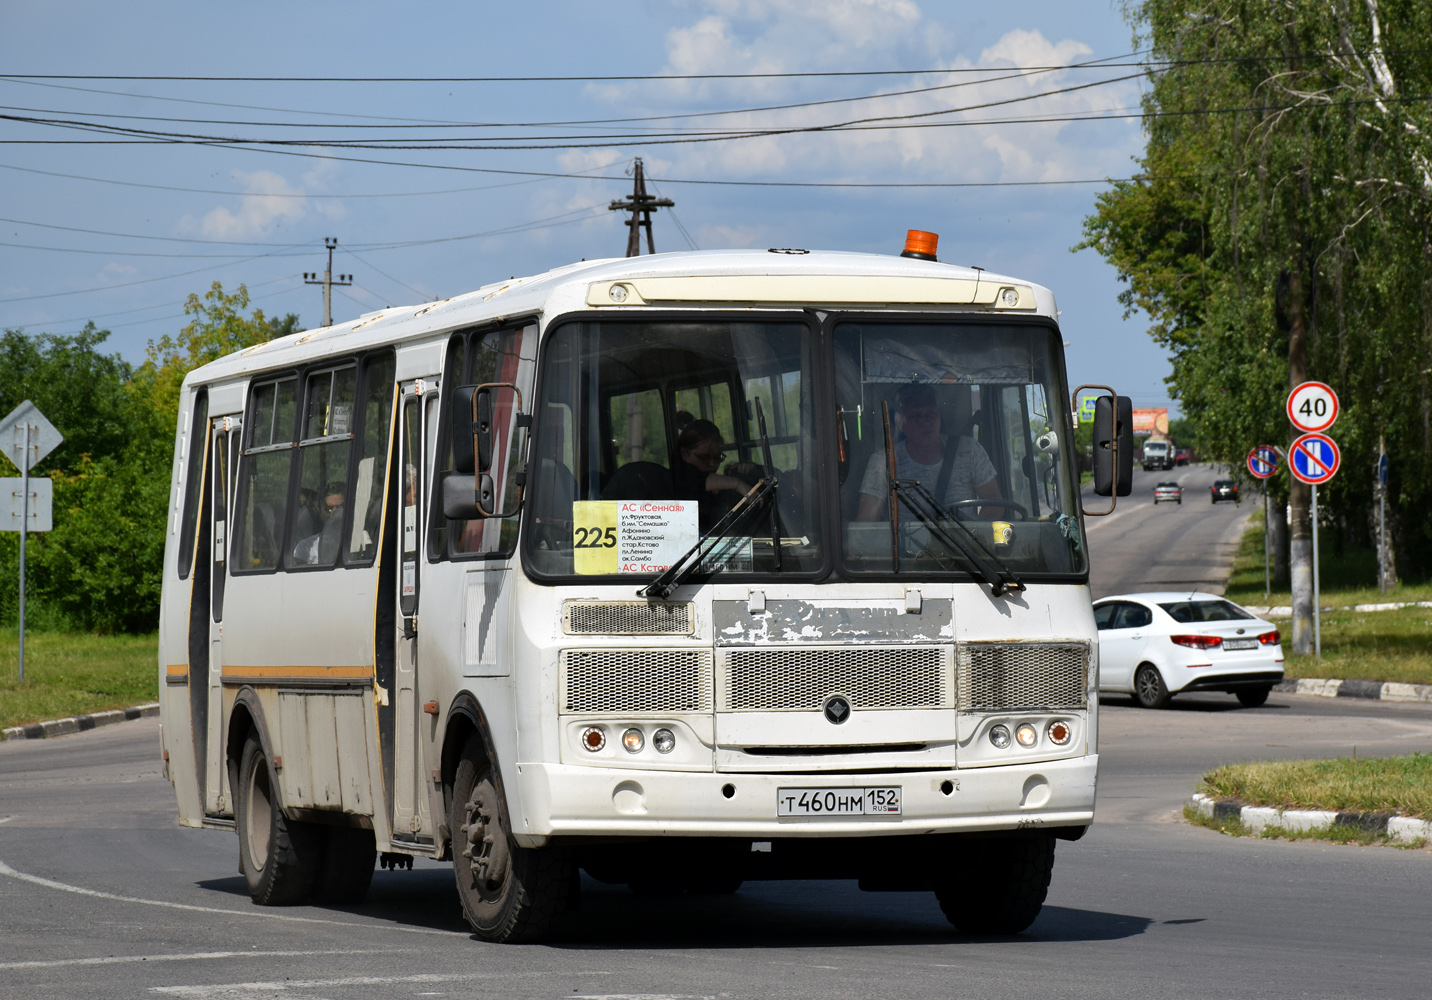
(78, 723)
(1376, 690)
(1403, 829)
(1284, 611)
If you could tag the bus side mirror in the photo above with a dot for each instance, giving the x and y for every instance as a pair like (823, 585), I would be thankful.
(1113, 446)
(489, 430)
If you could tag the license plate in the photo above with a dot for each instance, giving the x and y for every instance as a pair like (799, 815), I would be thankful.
(1240, 643)
(880, 801)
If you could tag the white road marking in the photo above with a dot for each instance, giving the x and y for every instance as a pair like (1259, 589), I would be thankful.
(278, 986)
(195, 957)
(7, 819)
(256, 912)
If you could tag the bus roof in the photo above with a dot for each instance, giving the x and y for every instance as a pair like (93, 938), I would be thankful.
(756, 279)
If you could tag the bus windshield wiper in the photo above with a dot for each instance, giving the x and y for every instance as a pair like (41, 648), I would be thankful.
(939, 520)
(935, 517)
(678, 571)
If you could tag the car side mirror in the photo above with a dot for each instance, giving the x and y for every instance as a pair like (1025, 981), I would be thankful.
(489, 430)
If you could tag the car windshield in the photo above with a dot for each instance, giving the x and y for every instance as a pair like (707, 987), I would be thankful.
(978, 418)
(1193, 612)
(649, 432)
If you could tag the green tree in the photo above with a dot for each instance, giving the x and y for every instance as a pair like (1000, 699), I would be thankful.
(1278, 225)
(99, 568)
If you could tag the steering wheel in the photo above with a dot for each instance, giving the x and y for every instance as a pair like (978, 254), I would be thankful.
(1009, 505)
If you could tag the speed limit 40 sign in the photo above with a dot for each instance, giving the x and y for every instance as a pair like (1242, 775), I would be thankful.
(1312, 407)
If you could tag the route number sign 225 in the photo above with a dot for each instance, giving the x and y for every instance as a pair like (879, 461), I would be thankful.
(1312, 407)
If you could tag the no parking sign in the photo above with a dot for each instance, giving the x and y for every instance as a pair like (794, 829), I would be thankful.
(1263, 461)
(1314, 459)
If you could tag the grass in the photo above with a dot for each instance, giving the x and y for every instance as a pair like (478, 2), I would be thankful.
(1401, 785)
(1370, 645)
(71, 674)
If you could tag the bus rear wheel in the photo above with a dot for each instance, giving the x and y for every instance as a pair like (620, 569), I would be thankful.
(278, 857)
(1003, 888)
(508, 893)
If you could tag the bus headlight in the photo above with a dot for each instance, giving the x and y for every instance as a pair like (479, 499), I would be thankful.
(1027, 735)
(999, 736)
(633, 740)
(664, 740)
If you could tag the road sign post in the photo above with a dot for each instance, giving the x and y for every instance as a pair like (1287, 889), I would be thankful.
(1382, 515)
(1262, 463)
(30, 437)
(1314, 459)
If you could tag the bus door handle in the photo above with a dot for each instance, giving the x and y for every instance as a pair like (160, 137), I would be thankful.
(410, 626)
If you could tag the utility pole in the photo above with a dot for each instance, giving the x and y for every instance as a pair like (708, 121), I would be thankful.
(1299, 493)
(328, 281)
(640, 205)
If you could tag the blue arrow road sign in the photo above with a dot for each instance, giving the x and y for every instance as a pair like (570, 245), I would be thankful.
(1382, 469)
(1314, 458)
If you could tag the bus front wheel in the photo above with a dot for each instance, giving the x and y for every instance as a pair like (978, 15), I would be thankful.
(1003, 886)
(508, 893)
(278, 857)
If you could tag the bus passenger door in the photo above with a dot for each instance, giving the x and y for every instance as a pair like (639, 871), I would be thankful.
(410, 806)
(218, 800)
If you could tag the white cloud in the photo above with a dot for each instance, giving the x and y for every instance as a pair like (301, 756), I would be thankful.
(778, 36)
(269, 203)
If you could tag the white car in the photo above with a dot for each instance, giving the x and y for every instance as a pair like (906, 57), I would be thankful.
(1155, 646)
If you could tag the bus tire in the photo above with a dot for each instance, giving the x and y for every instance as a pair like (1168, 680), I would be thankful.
(278, 857)
(509, 894)
(1005, 887)
(348, 861)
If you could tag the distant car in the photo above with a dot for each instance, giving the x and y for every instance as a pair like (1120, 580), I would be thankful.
(1182, 456)
(1154, 646)
(1168, 491)
(1224, 489)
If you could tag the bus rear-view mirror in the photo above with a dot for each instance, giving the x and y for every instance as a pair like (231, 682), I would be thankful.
(489, 432)
(1113, 446)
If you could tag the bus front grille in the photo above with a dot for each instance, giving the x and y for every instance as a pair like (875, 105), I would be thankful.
(636, 681)
(802, 678)
(996, 676)
(625, 618)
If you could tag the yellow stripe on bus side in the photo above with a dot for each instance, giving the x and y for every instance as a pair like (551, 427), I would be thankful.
(177, 670)
(231, 670)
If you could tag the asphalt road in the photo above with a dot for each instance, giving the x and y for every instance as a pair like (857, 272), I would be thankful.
(1168, 546)
(101, 895)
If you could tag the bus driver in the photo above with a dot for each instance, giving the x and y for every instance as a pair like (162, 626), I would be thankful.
(920, 453)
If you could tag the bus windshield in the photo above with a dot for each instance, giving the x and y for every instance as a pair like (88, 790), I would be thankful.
(649, 432)
(979, 424)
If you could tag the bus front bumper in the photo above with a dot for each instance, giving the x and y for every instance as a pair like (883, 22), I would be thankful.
(558, 800)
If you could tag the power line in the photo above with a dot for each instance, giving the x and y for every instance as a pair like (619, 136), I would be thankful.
(167, 239)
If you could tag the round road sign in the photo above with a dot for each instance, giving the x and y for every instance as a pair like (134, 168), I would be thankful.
(1314, 458)
(1263, 461)
(1312, 407)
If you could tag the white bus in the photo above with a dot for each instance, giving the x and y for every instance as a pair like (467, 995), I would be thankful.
(679, 571)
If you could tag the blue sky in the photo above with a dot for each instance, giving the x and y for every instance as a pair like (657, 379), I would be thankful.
(136, 227)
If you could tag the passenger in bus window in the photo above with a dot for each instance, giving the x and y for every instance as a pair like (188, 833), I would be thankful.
(321, 548)
(697, 474)
(921, 452)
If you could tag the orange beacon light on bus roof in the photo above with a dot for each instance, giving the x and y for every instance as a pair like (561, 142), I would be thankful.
(920, 244)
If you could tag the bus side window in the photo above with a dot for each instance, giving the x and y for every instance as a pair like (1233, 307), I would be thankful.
(372, 460)
(264, 475)
(493, 356)
(324, 452)
(193, 476)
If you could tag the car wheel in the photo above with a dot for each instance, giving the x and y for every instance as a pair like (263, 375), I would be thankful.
(1149, 688)
(1001, 887)
(508, 893)
(1252, 697)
